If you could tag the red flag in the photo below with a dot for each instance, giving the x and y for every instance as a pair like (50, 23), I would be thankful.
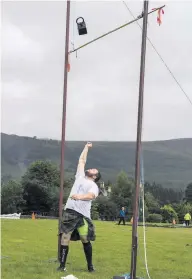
(159, 13)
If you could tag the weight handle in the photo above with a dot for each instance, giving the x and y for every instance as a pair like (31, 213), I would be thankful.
(80, 18)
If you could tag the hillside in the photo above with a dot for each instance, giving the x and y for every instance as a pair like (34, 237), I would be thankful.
(165, 162)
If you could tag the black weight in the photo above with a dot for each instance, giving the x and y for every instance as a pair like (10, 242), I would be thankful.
(81, 26)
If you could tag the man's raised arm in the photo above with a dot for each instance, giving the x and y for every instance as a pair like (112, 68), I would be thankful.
(83, 158)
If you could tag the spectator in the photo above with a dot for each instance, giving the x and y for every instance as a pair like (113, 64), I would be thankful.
(122, 216)
(187, 219)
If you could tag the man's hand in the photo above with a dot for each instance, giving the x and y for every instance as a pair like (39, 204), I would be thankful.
(89, 144)
(76, 197)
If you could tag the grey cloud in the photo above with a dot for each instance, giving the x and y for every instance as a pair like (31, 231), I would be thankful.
(103, 81)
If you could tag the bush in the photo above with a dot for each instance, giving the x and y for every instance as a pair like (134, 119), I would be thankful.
(154, 218)
(94, 211)
(169, 214)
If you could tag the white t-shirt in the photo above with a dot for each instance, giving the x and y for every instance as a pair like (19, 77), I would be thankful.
(82, 186)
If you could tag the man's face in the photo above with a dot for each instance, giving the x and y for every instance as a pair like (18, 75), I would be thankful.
(93, 171)
(123, 208)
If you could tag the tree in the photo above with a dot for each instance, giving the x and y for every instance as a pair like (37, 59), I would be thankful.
(106, 208)
(122, 191)
(53, 201)
(12, 198)
(151, 203)
(6, 178)
(40, 184)
(188, 193)
(94, 211)
(163, 195)
(168, 213)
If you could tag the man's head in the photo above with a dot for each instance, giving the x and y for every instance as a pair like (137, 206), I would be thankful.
(94, 174)
(123, 208)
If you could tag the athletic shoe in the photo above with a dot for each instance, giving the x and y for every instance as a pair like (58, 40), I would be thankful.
(91, 269)
(61, 268)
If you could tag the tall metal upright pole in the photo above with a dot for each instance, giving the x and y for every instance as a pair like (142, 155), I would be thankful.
(138, 145)
(63, 121)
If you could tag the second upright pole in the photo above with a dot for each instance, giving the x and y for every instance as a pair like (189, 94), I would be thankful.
(138, 145)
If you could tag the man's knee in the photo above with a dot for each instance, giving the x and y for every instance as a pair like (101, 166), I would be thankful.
(65, 239)
(84, 239)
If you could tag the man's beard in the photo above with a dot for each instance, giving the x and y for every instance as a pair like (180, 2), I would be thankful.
(88, 174)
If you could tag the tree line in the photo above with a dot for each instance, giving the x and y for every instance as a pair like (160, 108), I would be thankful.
(38, 191)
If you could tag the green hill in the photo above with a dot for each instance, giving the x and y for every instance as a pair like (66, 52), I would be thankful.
(166, 162)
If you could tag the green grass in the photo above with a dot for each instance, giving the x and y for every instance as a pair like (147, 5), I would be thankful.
(29, 244)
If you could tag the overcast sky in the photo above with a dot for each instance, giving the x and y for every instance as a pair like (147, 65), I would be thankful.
(104, 78)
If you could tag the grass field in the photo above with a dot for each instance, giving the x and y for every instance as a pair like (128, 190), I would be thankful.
(28, 245)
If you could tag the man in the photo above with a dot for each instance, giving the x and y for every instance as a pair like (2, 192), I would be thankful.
(187, 219)
(76, 223)
(122, 216)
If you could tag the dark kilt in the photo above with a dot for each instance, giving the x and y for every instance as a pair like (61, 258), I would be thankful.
(71, 221)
